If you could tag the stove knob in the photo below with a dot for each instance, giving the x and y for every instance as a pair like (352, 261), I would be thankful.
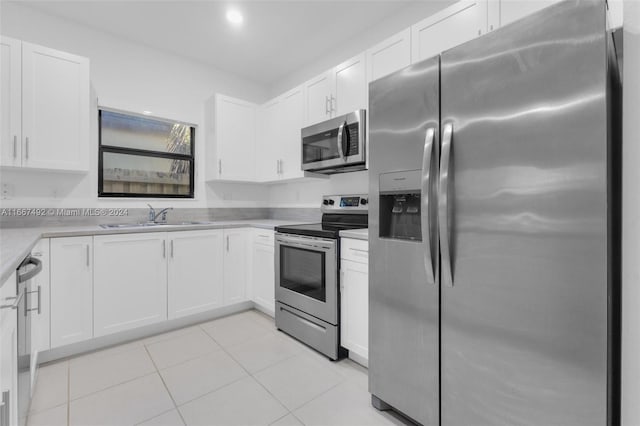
(363, 201)
(331, 202)
(325, 202)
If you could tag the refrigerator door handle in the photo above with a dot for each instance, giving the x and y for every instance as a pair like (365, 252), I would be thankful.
(443, 205)
(425, 194)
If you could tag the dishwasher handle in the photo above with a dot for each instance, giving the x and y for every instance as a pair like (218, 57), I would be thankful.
(32, 272)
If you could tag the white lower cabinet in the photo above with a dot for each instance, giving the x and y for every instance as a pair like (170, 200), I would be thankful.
(236, 253)
(71, 287)
(354, 307)
(262, 271)
(130, 285)
(195, 272)
(8, 351)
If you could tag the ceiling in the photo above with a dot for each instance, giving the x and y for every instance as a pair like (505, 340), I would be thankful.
(276, 38)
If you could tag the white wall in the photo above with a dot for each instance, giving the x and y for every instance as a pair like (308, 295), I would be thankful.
(308, 193)
(631, 217)
(132, 77)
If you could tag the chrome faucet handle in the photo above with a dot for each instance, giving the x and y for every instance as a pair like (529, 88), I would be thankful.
(152, 213)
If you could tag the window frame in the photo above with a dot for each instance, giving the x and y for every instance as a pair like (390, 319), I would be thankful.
(102, 149)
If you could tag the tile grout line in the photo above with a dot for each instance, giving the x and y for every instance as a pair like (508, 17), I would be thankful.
(175, 406)
(252, 376)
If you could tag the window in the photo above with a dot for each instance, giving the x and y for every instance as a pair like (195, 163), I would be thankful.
(144, 157)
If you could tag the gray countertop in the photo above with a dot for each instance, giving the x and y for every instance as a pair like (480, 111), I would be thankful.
(358, 234)
(16, 243)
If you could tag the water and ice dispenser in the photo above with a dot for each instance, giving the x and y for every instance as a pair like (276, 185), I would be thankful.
(400, 204)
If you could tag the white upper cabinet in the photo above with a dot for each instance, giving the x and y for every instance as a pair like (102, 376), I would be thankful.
(195, 271)
(291, 122)
(55, 109)
(130, 285)
(11, 102)
(340, 90)
(45, 108)
(458, 23)
(235, 122)
(351, 85)
(391, 55)
(318, 98)
(267, 141)
(278, 154)
(504, 12)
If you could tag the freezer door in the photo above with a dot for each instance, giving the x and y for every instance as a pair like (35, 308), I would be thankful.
(403, 294)
(523, 220)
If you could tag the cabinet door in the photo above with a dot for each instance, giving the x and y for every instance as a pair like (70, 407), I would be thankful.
(268, 141)
(236, 254)
(318, 93)
(292, 121)
(351, 85)
(130, 281)
(10, 101)
(354, 323)
(235, 138)
(71, 290)
(195, 272)
(55, 109)
(9, 349)
(461, 22)
(263, 276)
(391, 55)
(512, 10)
(40, 321)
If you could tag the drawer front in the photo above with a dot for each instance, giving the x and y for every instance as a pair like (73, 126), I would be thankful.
(263, 236)
(354, 250)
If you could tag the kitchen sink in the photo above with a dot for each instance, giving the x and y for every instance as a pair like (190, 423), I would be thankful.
(150, 224)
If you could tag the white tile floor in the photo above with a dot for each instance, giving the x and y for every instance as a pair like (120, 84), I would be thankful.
(237, 370)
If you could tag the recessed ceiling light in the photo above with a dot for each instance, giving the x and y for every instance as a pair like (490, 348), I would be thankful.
(147, 112)
(234, 16)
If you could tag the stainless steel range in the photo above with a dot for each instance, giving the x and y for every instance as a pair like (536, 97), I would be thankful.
(307, 280)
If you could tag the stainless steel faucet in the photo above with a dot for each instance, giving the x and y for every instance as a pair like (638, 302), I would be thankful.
(153, 216)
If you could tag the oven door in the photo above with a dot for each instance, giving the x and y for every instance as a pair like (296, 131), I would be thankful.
(307, 275)
(335, 143)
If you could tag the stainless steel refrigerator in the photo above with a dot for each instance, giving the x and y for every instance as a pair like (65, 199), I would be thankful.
(494, 228)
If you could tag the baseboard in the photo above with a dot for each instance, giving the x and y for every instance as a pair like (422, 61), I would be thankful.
(119, 338)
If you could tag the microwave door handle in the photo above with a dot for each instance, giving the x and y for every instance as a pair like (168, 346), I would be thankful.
(340, 133)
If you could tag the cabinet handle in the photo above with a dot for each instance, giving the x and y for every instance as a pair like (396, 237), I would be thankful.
(220, 167)
(15, 146)
(277, 167)
(341, 281)
(227, 243)
(87, 255)
(333, 109)
(26, 148)
(16, 301)
(172, 249)
(326, 105)
(491, 27)
(38, 309)
(164, 249)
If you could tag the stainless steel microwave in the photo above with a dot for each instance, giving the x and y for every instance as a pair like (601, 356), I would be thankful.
(337, 145)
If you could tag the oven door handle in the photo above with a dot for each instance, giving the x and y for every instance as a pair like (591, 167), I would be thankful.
(299, 242)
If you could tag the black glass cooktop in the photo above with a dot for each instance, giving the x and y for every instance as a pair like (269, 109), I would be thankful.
(330, 226)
